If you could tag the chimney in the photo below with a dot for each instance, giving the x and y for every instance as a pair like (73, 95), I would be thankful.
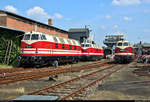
(50, 22)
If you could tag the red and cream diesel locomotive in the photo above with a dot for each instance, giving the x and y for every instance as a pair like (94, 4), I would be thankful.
(42, 49)
(124, 52)
(39, 49)
(91, 51)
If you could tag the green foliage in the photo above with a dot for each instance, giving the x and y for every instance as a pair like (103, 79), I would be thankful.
(5, 39)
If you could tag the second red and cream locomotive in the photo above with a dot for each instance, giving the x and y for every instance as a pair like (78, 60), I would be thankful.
(91, 51)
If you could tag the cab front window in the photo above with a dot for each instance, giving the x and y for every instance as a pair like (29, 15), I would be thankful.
(27, 37)
(87, 45)
(119, 44)
(82, 45)
(125, 44)
(35, 37)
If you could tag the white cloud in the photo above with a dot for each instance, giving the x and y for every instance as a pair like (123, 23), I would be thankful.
(126, 2)
(58, 16)
(102, 27)
(38, 13)
(11, 9)
(126, 18)
(107, 17)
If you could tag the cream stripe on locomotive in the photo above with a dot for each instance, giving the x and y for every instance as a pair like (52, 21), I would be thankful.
(92, 53)
(124, 54)
(47, 50)
(43, 52)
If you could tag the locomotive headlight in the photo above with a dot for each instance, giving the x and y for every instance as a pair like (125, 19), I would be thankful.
(28, 46)
(122, 50)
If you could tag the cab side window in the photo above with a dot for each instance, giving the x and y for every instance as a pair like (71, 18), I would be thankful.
(43, 37)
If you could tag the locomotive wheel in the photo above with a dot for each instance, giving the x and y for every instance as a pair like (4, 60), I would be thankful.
(55, 64)
(37, 66)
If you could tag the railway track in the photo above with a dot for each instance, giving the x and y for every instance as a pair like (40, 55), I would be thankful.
(76, 87)
(144, 71)
(47, 72)
(10, 70)
(16, 71)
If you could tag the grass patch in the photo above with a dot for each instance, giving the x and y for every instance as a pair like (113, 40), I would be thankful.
(5, 66)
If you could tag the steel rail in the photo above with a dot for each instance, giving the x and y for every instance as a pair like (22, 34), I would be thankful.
(73, 94)
(47, 73)
(12, 72)
(69, 81)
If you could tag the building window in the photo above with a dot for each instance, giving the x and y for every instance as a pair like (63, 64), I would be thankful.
(38, 25)
(30, 23)
(18, 19)
(24, 21)
(56, 46)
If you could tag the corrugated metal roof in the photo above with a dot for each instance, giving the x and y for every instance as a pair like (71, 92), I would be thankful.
(78, 30)
(13, 29)
(146, 44)
(16, 15)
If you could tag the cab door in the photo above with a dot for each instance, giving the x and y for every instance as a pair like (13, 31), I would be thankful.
(51, 49)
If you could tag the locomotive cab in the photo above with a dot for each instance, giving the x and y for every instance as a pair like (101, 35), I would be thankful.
(30, 45)
(124, 51)
(91, 51)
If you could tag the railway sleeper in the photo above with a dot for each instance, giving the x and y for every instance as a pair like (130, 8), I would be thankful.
(70, 88)
(62, 92)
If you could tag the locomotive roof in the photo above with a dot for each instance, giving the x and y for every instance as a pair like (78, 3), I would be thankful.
(122, 41)
(33, 32)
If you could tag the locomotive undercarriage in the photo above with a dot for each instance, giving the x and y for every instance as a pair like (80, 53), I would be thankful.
(38, 61)
(91, 58)
(123, 59)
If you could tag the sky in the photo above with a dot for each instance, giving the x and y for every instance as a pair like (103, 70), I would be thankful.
(102, 17)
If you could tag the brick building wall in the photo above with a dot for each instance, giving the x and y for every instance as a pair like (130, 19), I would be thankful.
(22, 23)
